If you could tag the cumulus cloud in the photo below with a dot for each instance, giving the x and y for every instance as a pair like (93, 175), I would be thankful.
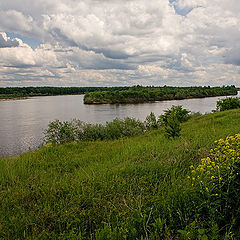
(7, 42)
(93, 42)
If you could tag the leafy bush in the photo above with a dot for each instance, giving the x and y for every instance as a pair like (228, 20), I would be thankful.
(61, 132)
(181, 115)
(128, 127)
(171, 120)
(217, 178)
(151, 121)
(172, 128)
(91, 132)
(76, 130)
(228, 103)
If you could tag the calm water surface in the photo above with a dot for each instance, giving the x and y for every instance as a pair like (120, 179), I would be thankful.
(22, 122)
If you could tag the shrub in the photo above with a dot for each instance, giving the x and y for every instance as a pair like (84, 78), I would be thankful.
(60, 132)
(217, 178)
(180, 114)
(132, 127)
(172, 128)
(151, 121)
(92, 132)
(228, 103)
(171, 120)
(76, 130)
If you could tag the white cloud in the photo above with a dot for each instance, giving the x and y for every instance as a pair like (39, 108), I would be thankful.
(94, 42)
(7, 42)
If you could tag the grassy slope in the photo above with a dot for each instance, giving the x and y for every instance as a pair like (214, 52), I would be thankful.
(72, 189)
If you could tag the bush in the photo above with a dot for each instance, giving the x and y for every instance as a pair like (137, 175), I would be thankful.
(76, 130)
(217, 178)
(171, 120)
(228, 103)
(61, 132)
(151, 121)
(172, 128)
(92, 132)
(127, 127)
(181, 115)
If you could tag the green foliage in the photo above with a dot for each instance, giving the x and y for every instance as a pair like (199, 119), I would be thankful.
(130, 188)
(171, 120)
(62, 132)
(217, 178)
(76, 130)
(151, 121)
(176, 113)
(120, 94)
(197, 230)
(147, 94)
(172, 127)
(10, 92)
(228, 103)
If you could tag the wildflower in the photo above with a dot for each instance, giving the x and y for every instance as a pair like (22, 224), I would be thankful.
(48, 144)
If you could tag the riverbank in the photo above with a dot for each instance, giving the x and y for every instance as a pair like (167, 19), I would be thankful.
(122, 189)
(148, 94)
(13, 98)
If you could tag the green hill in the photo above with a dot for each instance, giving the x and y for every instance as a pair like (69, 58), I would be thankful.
(135, 188)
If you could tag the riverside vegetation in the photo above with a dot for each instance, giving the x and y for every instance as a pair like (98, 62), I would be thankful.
(22, 92)
(62, 132)
(144, 187)
(147, 94)
(119, 94)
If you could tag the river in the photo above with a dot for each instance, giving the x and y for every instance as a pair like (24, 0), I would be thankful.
(22, 122)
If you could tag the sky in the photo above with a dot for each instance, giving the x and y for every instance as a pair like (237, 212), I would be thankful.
(119, 43)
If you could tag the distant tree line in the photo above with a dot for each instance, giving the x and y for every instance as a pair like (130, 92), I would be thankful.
(124, 94)
(9, 92)
(140, 94)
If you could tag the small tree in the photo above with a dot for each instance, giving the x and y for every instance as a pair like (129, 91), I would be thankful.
(228, 103)
(172, 128)
(151, 121)
(182, 115)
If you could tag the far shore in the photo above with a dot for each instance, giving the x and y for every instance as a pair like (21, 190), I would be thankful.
(15, 98)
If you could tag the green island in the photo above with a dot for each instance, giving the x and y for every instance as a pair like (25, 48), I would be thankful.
(143, 187)
(139, 94)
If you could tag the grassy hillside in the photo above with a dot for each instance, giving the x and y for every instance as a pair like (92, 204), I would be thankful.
(134, 188)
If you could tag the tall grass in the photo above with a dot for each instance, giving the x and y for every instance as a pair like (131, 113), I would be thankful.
(129, 188)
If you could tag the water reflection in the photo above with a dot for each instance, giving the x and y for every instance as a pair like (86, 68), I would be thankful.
(22, 121)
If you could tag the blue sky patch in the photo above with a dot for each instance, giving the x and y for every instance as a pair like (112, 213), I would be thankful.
(32, 42)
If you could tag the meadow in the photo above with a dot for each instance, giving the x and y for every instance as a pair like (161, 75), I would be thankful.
(130, 188)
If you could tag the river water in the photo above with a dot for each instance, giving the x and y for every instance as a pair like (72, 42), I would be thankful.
(22, 122)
